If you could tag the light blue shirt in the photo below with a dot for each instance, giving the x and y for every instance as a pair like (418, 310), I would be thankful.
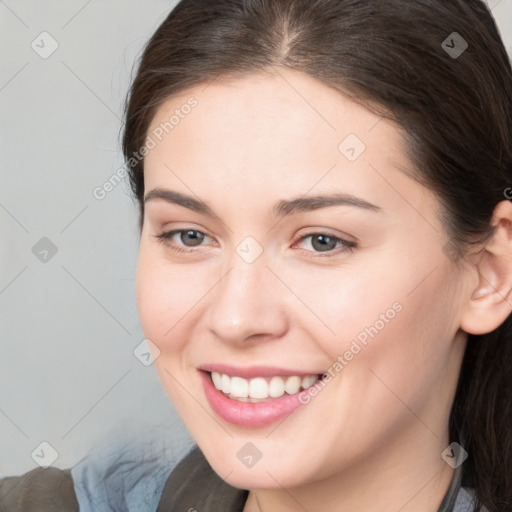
(127, 474)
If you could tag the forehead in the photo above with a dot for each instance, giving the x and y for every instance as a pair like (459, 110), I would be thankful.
(279, 112)
(271, 135)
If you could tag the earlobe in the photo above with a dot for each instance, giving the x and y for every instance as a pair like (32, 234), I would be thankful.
(490, 302)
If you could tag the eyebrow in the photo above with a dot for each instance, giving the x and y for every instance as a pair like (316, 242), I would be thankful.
(180, 199)
(311, 203)
(281, 209)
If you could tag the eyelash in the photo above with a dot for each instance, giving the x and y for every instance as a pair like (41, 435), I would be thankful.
(347, 245)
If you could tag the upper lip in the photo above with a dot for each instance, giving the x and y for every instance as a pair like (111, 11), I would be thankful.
(249, 372)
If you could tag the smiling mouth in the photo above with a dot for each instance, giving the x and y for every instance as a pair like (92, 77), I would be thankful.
(261, 389)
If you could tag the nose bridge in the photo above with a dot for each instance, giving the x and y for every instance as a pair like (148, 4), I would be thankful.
(246, 303)
(240, 283)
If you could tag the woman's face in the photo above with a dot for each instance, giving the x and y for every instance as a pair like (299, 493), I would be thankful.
(299, 249)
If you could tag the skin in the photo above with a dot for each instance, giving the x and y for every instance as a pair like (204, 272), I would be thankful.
(372, 439)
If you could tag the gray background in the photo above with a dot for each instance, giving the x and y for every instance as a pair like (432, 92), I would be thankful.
(69, 323)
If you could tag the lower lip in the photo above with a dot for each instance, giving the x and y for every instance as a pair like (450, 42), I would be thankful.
(246, 414)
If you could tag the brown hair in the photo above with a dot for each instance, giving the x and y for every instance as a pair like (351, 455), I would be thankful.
(455, 111)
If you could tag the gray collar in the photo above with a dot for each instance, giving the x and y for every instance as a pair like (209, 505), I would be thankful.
(448, 503)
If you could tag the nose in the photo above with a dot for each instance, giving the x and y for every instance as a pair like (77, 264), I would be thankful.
(247, 305)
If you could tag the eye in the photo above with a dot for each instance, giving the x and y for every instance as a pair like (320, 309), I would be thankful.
(181, 239)
(326, 243)
(184, 240)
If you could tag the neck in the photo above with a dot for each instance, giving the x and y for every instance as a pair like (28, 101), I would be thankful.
(406, 474)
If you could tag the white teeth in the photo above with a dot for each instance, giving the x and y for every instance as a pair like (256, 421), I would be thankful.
(217, 380)
(292, 385)
(226, 384)
(276, 387)
(239, 387)
(307, 382)
(260, 388)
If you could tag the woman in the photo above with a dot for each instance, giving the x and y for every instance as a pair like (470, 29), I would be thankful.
(325, 264)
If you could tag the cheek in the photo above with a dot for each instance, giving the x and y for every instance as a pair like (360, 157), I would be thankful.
(403, 360)
(340, 304)
(387, 318)
(169, 301)
(168, 297)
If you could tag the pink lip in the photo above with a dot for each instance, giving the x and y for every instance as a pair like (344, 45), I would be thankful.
(246, 414)
(254, 371)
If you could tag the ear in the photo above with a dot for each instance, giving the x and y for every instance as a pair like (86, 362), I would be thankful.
(491, 300)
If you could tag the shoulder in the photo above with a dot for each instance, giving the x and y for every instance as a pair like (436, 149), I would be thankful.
(40, 490)
(128, 469)
(194, 485)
